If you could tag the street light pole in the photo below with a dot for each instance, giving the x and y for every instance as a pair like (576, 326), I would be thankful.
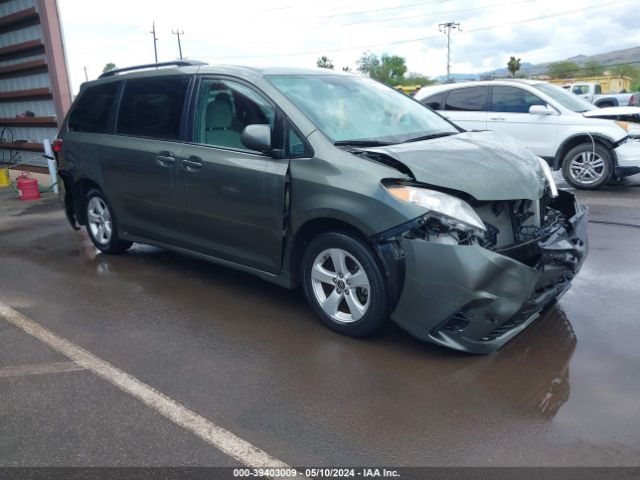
(446, 29)
(178, 33)
(155, 41)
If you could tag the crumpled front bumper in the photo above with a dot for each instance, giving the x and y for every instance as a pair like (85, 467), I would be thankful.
(475, 300)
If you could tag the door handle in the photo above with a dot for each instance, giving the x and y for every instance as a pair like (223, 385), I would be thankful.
(165, 160)
(500, 119)
(192, 163)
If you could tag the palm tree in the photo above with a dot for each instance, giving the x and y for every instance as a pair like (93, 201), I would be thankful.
(324, 62)
(513, 65)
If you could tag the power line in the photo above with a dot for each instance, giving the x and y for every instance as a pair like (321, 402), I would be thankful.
(410, 17)
(431, 37)
(385, 9)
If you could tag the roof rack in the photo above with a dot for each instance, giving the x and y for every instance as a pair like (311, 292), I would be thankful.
(177, 63)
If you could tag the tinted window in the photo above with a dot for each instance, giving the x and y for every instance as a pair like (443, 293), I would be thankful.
(435, 101)
(513, 100)
(152, 107)
(471, 99)
(225, 108)
(92, 111)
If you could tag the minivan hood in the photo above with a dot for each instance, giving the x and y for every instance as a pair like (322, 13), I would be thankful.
(485, 165)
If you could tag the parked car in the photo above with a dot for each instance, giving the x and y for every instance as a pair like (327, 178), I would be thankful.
(547, 119)
(377, 206)
(592, 92)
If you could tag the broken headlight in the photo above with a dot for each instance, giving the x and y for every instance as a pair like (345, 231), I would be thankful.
(553, 188)
(451, 211)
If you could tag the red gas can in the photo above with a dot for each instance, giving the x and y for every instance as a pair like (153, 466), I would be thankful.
(28, 188)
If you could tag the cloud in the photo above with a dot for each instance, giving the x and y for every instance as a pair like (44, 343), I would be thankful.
(259, 32)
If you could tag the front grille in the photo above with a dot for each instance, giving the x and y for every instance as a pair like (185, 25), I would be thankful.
(458, 322)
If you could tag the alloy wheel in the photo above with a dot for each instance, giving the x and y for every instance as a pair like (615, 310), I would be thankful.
(340, 285)
(99, 220)
(587, 167)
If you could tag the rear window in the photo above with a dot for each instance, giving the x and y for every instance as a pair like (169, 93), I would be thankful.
(93, 109)
(435, 101)
(471, 99)
(152, 107)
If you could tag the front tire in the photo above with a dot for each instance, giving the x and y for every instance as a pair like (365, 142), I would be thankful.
(586, 167)
(344, 284)
(101, 224)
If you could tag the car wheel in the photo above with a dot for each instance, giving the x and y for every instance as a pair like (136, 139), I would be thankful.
(101, 224)
(587, 168)
(344, 284)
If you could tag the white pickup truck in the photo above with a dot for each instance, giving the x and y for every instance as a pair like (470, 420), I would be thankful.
(593, 93)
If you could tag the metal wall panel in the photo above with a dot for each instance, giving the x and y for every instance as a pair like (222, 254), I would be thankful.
(19, 36)
(38, 80)
(15, 61)
(14, 6)
(41, 108)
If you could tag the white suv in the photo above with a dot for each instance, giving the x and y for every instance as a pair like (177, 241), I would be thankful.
(548, 120)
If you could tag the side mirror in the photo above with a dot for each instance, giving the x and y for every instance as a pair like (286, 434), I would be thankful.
(541, 110)
(257, 137)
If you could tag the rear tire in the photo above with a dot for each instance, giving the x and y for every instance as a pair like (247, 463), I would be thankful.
(344, 284)
(584, 170)
(102, 226)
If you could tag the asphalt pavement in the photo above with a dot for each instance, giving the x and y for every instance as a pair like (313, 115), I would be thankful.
(250, 358)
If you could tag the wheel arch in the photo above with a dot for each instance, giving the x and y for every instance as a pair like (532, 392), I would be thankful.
(79, 193)
(576, 140)
(389, 255)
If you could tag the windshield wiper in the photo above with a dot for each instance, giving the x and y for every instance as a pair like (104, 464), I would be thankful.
(431, 136)
(362, 143)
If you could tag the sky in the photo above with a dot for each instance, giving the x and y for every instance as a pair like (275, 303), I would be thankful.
(296, 33)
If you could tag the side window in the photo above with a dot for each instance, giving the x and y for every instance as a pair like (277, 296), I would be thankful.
(91, 113)
(470, 99)
(435, 101)
(296, 147)
(598, 89)
(152, 107)
(225, 108)
(513, 100)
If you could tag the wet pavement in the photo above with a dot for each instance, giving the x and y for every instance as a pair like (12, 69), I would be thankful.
(250, 357)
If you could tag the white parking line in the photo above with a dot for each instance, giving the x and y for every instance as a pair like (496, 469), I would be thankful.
(232, 445)
(40, 369)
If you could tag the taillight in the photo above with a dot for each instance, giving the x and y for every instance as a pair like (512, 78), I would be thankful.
(56, 146)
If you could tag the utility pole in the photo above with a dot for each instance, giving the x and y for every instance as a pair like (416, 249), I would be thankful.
(178, 33)
(155, 41)
(86, 77)
(446, 29)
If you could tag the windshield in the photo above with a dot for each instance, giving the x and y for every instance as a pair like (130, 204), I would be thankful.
(565, 98)
(356, 109)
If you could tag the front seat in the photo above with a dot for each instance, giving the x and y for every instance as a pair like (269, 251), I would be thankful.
(219, 123)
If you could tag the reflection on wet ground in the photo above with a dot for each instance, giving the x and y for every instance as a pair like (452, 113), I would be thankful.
(251, 355)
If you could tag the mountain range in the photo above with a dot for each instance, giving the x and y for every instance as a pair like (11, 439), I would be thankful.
(616, 57)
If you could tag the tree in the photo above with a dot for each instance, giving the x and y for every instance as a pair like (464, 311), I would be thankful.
(563, 69)
(416, 79)
(592, 69)
(389, 69)
(513, 65)
(108, 67)
(324, 62)
(346, 69)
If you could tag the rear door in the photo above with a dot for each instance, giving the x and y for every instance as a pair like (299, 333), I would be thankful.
(140, 161)
(467, 107)
(509, 114)
(233, 197)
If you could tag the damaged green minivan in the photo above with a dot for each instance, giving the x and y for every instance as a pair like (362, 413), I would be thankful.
(375, 205)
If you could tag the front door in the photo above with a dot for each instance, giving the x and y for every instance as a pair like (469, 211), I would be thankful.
(234, 198)
(510, 114)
